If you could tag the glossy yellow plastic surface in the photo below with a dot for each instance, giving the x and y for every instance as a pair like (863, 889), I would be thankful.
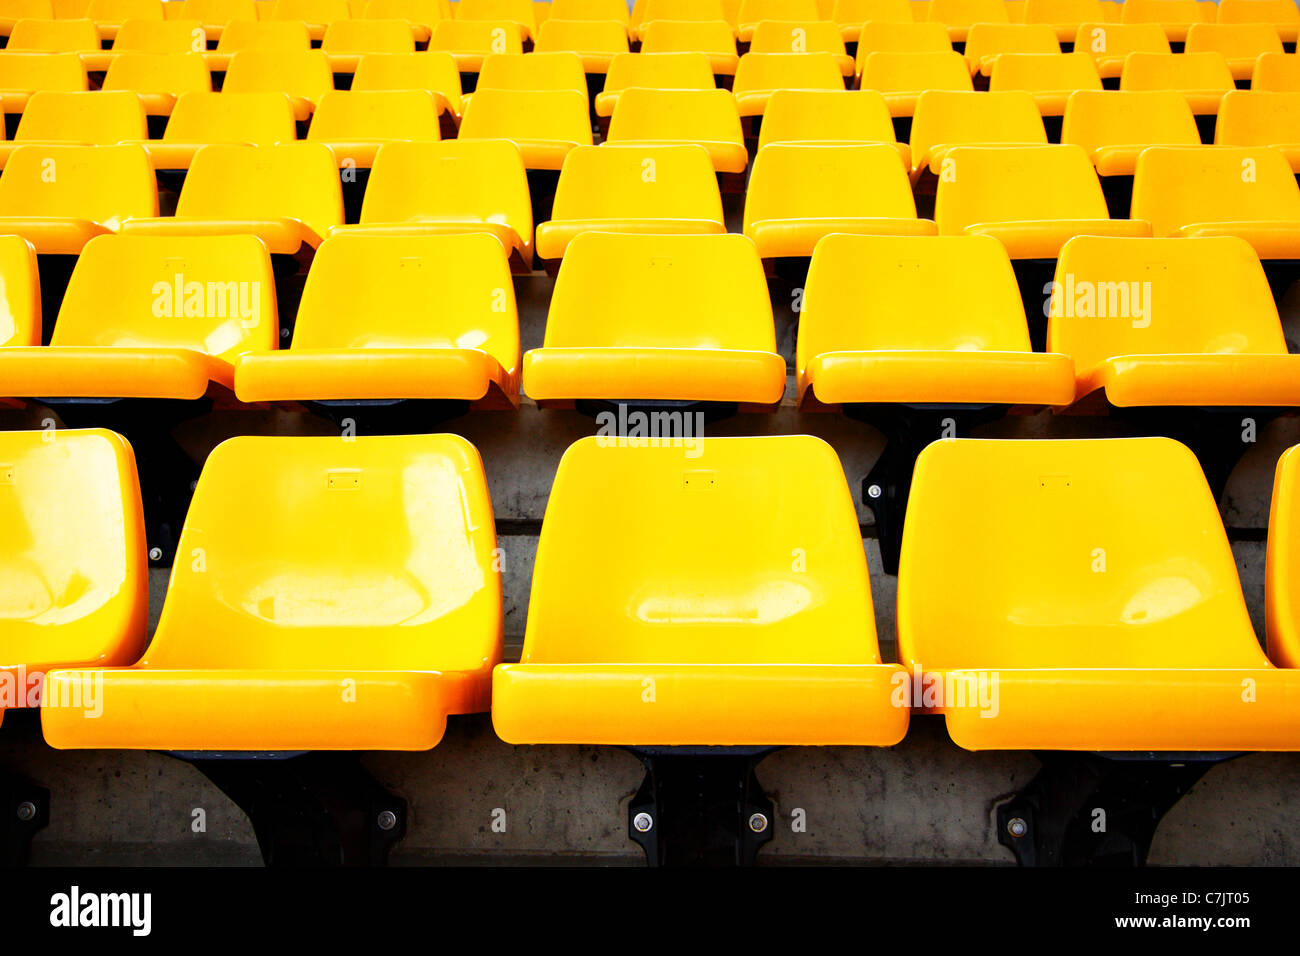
(352, 604)
(199, 119)
(1049, 77)
(434, 72)
(708, 118)
(544, 124)
(53, 36)
(706, 630)
(1239, 43)
(1114, 127)
(1064, 16)
(933, 320)
(1246, 191)
(317, 14)
(615, 10)
(948, 118)
(1277, 72)
(304, 75)
(517, 11)
(798, 194)
(283, 35)
(903, 77)
(759, 75)
(802, 36)
(828, 117)
(987, 40)
(1175, 17)
(891, 37)
(639, 189)
(532, 72)
(59, 197)
(420, 15)
(1171, 322)
(714, 38)
(1032, 198)
(109, 15)
(215, 14)
(648, 317)
(658, 71)
(157, 79)
(15, 10)
(20, 293)
(959, 15)
(355, 123)
(685, 11)
(22, 74)
(89, 119)
(151, 36)
(596, 42)
(471, 41)
(1110, 615)
(1281, 572)
(388, 317)
(752, 12)
(1258, 118)
(346, 41)
(76, 587)
(1109, 44)
(850, 15)
(1282, 15)
(1202, 78)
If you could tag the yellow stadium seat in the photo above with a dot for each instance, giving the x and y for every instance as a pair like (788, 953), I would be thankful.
(518, 11)
(959, 15)
(1280, 573)
(1064, 16)
(684, 11)
(450, 187)
(53, 36)
(660, 71)
(151, 36)
(433, 72)
(316, 14)
(1202, 78)
(420, 15)
(1221, 190)
(1175, 17)
(22, 74)
(802, 36)
(15, 10)
(903, 77)
(945, 119)
(708, 118)
(346, 41)
(20, 293)
(532, 72)
(1032, 198)
(1281, 15)
(759, 75)
(1276, 73)
(279, 36)
(1050, 78)
(1114, 127)
(850, 15)
(354, 124)
(827, 117)
(889, 37)
(713, 38)
(986, 41)
(471, 41)
(1109, 44)
(288, 196)
(1257, 118)
(59, 197)
(638, 189)
(215, 14)
(752, 12)
(596, 42)
(679, 318)
(615, 10)
(418, 318)
(109, 15)
(1240, 44)
(157, 79)
(417, 635)
(304, 75)
(198, 119)
(544, 124)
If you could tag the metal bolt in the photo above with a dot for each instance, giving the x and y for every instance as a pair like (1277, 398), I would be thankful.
(155, 554)
(874, 491)
(757, 822)
(642, 822)
(1017, 827)
(284, 333)
(26, 811)
(387, 820)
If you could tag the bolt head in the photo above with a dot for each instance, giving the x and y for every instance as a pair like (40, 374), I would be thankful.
(26, 811)
(387, 820)
(1017, 827)
(874, 491)
(757, 822)
(643, 822)
(155, 554)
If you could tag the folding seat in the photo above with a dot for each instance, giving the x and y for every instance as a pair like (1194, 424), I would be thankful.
(317, 14)
(151, 36)
(1257, 118)
(1049, 77)
(347, 601)
(1202, 78)
(828, 116)
(88, 119)
(917, 337)
(158, 79)
(1280, 575)
(713, 38)
(22, 74)
(215, 14)
(641, 189)
(986, 41)
(1109, 44)
(1281, 15)
(752, 12)
(659, 71)
(53, 36)
(471, 41)
(759, 75)
(597, 42)
(678, 319)
(903, 77)
(850, 15)
(1115, 127)
(109, 15)
(450, 187)
(682, 11)
(304, 75)
(346, 41)
(751, 657)
(286, 37)
(200, 119)
(15, 10)
(532, 71)
(1175, 17)
(518, 11)
(802, 36)
(20, 293)
(433, 72)
(959, 15)
(544, 124)
(1240, 44)
(397, 332)
(355, 123)
(708, 118)
(798, 194)
(901, 37)
(1277, 73)
(420, 15)
(945, 119)
(1099, 620)
(1064, 16)
(615, 10)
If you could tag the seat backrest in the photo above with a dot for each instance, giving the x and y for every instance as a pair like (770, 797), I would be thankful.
(660, 71)
(1164, 12)
(647, 115)
(220, 12)
(423, 12)
(683, 10)
(410, 71)
(687, 36)
(103, 184)
(797, 36)
(705, 581)
(98, 118)
(119, 11)
(1276, 72)
(954, 118)
(528, 116)
(1258, 118)
(368, 36)
(282, 35)
(1258, 11)
(1067, 554)
(304, 73)
(1176, 71)
(520, 11)
(1233, 40)
(826, 116)
(1281, 569)
(584, 36)
(753, 11)
(255, 118)
(53, 36)
(1064, 11)
(1098, 118)
(1175, 186)
(20, 293)
(476, 36)
(1016, 183)
(787, 71)
(308, 540)
(1043, 72)
(28, 72)
(915, 72)
(990, 39)
(793, 181)
(589, 10)
(858, 12)
(638, 182)
(532, 71)
(965, 13)
(1120, 39)
(173, 73)
(311, 11)
(160, 36)
(890, 37)
(368, 115)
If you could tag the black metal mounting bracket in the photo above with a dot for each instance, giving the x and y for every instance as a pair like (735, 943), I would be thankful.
(26, 811)
(1092, 809)
(700, 806)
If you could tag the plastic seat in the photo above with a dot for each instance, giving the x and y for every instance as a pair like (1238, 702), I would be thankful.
(1255, 118)
(1202, 78)
(53, 36)
(279, 36)
(1171, 322)
(76, 588)
(22, 74)
(470, 41)
(681, 11)
(1032, 198)
(615, 10)
(829, 117)
(1064, 16)
(346, 41)
(151, 36)
(903, 77)
(714, 38)
(850, 15)
(1150, 656)
(890, 37)
(798, 194)
(354, 124)
(403, 606)
(1276, 73)
(316, 14)
(89, 119)
(659, 71)
(759, 75)
(215, 14)
(518, 11)
(1220, 190)
(1239, 43)
(959, 15)
(420, 15)
(305, 76)
(544, 124)
(945, 119)
(59, 197)
(596, 42)
(109, 15)
(1280, 622)
(986, 41)
(157, 79)
(15, 10)
(1281, 15)
(1115, 127)
(287, 195)
(759, 654)
(1175, 17)
(200, 119)
(151, 317)
(450, 187)
(802, 36)
(392, 317)
(752, 12)
(1109, 44)
(20, 293)
(433, 72)
(532, 72)
(676, 318)
(1050, 78)
(708, 118)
